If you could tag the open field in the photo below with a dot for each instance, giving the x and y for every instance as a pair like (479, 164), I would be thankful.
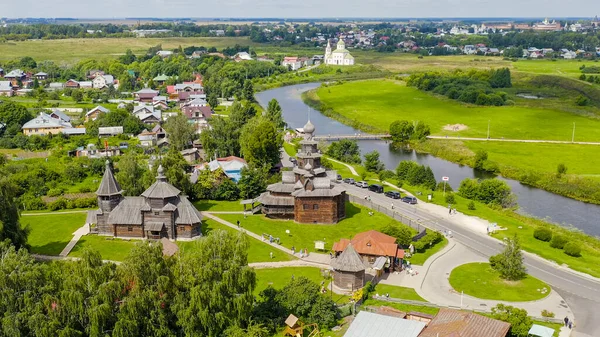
(50, 233)
(108, 247)
(481, 281)
(219, 206)
(73, 50)
(387, 101)
(304, 235)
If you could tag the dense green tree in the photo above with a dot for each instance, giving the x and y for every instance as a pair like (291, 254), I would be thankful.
(175, 166)
(403, 168)
(520, 322)
(500, 78)
(181, 131)
(253, 182)
(509, 263)
(561, 169)
(222, 139)
(10, 227)
(128, 58)
(27, 62)
(241, 113)
(274, 114)
(248, 91)
(401, 131)
(481, 157)
(129, 173)
(402, 234)
(214, 285)
(261, 143)
(77, 95)
(13, 115)
(421, 131)
(226, 190)
(372, 162)
(345, 150)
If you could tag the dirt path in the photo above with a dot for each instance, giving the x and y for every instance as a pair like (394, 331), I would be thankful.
(352, 170)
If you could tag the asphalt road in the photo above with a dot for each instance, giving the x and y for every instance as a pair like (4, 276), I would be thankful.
(581, 294)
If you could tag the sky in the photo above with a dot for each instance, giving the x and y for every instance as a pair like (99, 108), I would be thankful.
(298, 8)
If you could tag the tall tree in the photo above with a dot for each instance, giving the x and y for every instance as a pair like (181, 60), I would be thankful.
(222, 139)
(520, 322)
(509, 263)
(214, 285)
(261, 143)
(274, 114)
(248, 91)
(10, 227)
(181, 132)
(401, 131)
(129, 174)
(372, 162)
(253, 182)
(175, 167)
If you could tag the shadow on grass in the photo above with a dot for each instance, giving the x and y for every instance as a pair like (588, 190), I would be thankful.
(205, 205)
(51, 248)
(352, 210)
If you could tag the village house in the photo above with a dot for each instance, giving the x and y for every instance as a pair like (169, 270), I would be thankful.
(451, 322)
(78, 131)
(54, 86)
(43, 124)
(164, 53)
(379, 250)
(232, 167)
(24, 92)
(292, 63)
(160, 102)
(349, 270)
(145, 95)
(198, 112)
(72, 84)
(160, 79)
(92, 74)
(92, 152)
(103, 81)
(86, 85)
(242, 56)
(16, 75)
(41, 76)
(147, 114)
(183, 91)
(147, 138)
(6, 88)
(369, 324)
(57, 114)
(191, 155)
(160, 212)
(308, 194)
(93, 114)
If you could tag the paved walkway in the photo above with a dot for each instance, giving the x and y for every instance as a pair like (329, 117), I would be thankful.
(83, 230)
(514, 140)
(352, 170)
(432, 284)
(316, 259)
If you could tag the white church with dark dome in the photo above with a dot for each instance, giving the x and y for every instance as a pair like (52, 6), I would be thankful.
(309, 193)
(339, 57)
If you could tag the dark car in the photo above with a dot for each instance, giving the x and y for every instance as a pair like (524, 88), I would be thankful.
(392, 194)
(410, 200)
(376, 188)
(349, 181)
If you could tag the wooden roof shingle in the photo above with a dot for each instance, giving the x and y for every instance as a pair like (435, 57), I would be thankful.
(348, 261)
(109, 185)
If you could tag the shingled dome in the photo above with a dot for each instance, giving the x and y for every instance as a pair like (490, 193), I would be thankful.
(109, 185)
(161, 189)
(309, 127)
(349, 261)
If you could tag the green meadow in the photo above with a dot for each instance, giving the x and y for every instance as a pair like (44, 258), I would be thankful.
(51, 232)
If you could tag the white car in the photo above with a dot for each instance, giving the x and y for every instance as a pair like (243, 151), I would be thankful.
(362, 184)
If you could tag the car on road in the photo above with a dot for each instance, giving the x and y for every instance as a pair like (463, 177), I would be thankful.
(339, 178)
(376, 188)
(349, 181)
(392, 194)
(410, 200)
(362, 184)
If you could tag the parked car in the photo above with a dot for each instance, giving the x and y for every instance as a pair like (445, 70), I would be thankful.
(410, 200)
(392, 194)
(339, 178)
(362, 184)
(349, 181)
(376, 188)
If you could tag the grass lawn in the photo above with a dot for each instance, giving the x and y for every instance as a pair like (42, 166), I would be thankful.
(304, 235)
(50, 233)
(257, 252)
(387, 101)
(481, 281)
(398, 292)
(279, 277)
(73, 50)
(109, 247)
(219, 206)
(420, 258)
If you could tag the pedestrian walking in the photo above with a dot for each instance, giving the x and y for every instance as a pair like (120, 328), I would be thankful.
(238, 223)
(449, 209)
(392, 205)
(271, 255)
(566, 320)
(293, 250)
(570, 324)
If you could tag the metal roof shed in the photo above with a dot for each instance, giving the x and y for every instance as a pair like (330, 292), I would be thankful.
(368, 324)
(540, 331)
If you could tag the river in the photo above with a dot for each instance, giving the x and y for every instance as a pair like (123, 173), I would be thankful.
(532, 201)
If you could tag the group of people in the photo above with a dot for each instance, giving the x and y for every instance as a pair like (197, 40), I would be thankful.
(303, 252)
(568, 323)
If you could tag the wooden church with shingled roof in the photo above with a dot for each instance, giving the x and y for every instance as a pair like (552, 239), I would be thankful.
(349, 269)
(160, 212)
(309, 193)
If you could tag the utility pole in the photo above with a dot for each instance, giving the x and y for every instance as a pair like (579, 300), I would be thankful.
(573, 137)
(488, 133)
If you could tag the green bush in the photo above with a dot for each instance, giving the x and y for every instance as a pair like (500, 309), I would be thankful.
(60, 203)
(450, 198)
(558, 241)
(471, 205)
(572, 249)
(543, 234)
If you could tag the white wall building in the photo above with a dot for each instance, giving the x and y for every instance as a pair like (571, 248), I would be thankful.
(341, 56)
